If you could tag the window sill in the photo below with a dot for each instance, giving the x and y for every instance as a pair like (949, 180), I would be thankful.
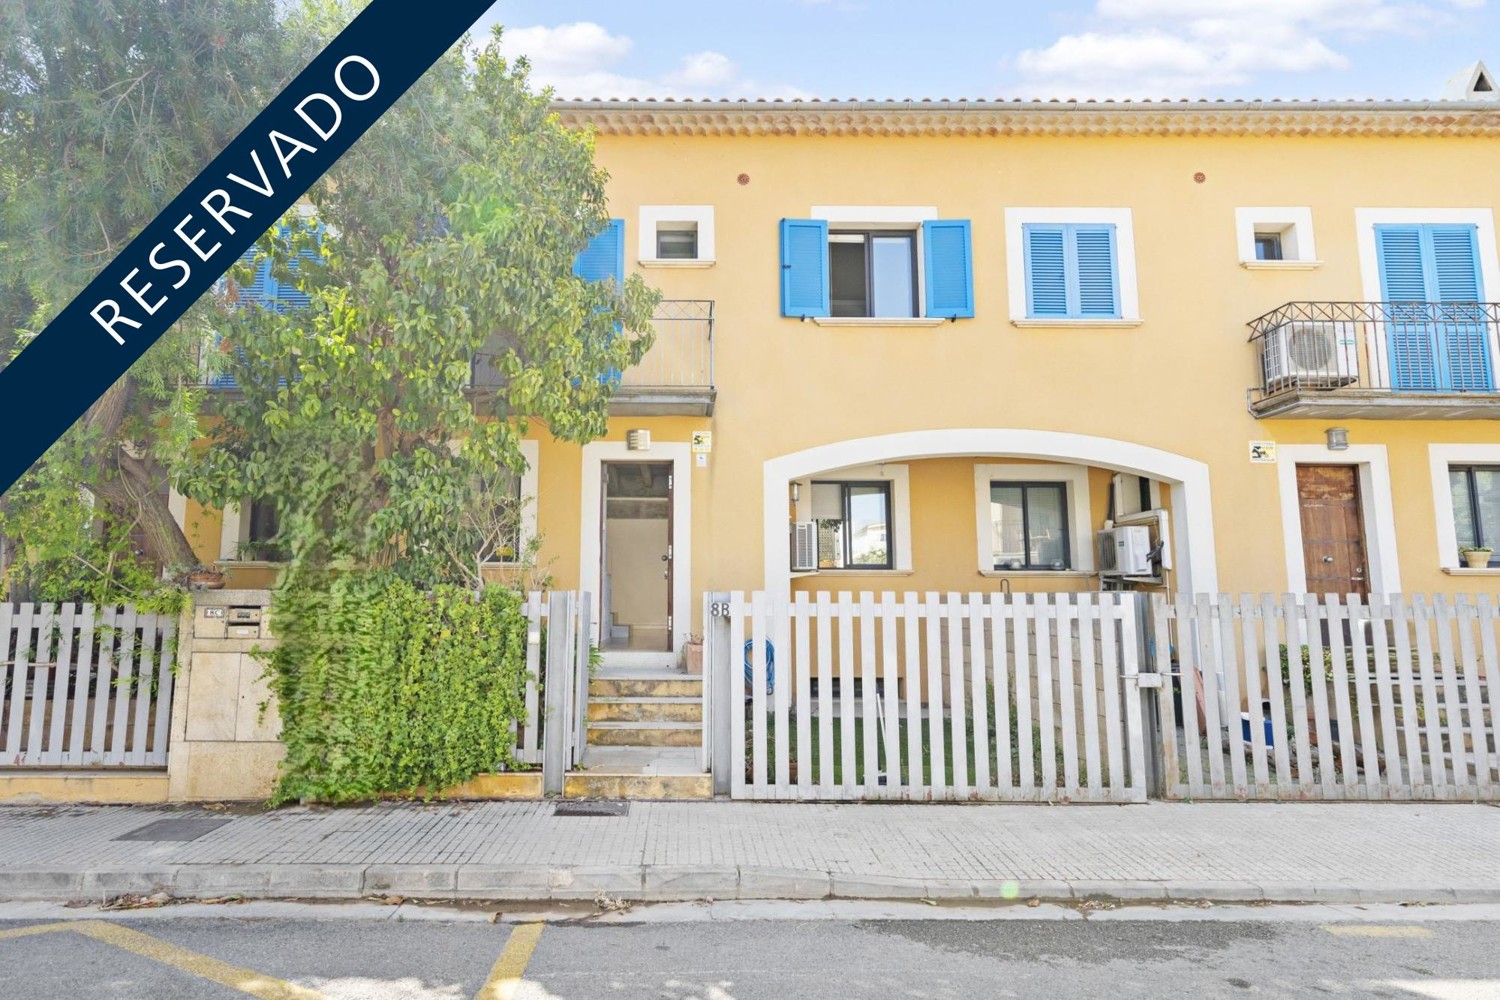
(1053, 574)
(1069, 324)
(1280, 265)
(677, 263)
(879, 321)
(1466, 571)
(862, 572)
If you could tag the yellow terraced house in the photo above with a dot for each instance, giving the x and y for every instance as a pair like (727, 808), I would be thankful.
(1004, 346)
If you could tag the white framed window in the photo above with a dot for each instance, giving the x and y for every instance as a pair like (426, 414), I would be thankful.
(1482, 219)
(1466, 501)
(526, 486)
(676, 236)
(863, 515)
(1052, 283)
(1033, 518)
(1271, 238)
(248, 532)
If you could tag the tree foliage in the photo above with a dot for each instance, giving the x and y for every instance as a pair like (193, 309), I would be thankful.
(107, 110)
(450, 230)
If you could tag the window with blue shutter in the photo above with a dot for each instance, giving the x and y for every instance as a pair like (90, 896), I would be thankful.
(1435, 339)
(948, 258)
(604, 257)
(804, 267)
(1071, 271)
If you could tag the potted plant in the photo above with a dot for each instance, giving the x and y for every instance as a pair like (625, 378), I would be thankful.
(205, 577)
(692, 653)
(1477, 556)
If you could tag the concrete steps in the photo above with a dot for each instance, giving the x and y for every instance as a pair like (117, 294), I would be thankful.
(639, 773)
(645, 734)
(668, 709)
(645, 685)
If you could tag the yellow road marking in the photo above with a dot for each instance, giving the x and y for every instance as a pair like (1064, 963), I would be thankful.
(1378, 930)
(37, 929)
(505, 977)
(244, 980)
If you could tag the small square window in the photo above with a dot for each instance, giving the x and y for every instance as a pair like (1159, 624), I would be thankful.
(1029, 526)
(1268, 246)
(677, 244)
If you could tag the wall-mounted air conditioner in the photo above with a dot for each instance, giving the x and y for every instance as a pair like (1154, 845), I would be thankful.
(1320, 355)
(804, 546)
(1125, 550)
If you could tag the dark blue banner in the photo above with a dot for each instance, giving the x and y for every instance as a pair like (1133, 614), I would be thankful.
(236, 198)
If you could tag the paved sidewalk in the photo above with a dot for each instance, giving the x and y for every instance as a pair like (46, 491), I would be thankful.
(1327, 852)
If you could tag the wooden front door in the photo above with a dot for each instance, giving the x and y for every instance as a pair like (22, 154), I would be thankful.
(1333, 529)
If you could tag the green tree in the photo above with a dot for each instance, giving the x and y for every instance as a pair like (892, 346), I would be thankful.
(107, 110)
(449, 231)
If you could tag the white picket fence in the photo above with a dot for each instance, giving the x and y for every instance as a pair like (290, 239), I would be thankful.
(978, 696)
(85, 686)
(1344, 699)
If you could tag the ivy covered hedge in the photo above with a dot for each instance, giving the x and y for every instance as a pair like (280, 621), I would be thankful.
(386, 688)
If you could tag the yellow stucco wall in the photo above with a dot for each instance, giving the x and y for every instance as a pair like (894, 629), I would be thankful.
(1176, 382)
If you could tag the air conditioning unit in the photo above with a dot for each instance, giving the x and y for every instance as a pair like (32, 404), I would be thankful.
(1125, 551)
(804, 546)
(1311, 354)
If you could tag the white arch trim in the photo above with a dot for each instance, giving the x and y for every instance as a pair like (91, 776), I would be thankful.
(1192, 507)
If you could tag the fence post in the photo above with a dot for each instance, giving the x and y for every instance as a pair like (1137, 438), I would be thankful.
(558, 680)
(1156, 661)
(584, 652)
(719, 696)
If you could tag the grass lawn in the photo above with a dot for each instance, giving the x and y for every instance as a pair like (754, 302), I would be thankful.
(942, 728)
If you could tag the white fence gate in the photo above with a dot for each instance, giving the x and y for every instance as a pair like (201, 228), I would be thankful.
(979, 696)
(84, 686)
(1386, 699)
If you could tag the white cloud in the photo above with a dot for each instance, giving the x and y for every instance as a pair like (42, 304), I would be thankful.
(1181, 48)
(584, 60)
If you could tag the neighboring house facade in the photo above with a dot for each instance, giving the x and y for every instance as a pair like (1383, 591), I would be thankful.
(923, 346)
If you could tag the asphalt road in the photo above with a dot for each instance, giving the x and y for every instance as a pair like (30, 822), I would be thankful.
(1443, 955)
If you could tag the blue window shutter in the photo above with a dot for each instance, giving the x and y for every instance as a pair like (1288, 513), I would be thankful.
(1398, 251)
(1455, 258)
(948, 257)
(604, 257)
(1461, 334)
(1411, 349)
(1098, 293)
(804, 267)
(1046, 270)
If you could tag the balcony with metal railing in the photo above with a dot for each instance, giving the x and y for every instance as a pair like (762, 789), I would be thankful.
(1377, 360)
(676, 377)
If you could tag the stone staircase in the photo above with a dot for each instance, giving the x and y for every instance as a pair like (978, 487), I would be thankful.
(645, 734)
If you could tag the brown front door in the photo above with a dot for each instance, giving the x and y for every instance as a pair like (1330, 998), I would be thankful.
(1333, 529)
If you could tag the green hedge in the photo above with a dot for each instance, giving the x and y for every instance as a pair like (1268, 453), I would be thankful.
(384, 688)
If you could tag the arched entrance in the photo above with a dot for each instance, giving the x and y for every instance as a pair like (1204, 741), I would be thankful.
(1193, 533)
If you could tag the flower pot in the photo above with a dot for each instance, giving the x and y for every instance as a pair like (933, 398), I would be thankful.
(206, 579)
(1477, 558)
(692, 657)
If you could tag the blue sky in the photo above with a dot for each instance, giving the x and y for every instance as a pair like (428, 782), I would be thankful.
(1001, 48)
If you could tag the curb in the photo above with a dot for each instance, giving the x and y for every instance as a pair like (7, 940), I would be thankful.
(675, 884)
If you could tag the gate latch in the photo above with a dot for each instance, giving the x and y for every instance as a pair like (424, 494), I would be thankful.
(1148, 680)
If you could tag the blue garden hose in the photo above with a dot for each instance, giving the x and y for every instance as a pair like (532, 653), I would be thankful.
(770, 665)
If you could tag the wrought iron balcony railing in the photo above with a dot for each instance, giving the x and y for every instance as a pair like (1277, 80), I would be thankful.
(1377, 359)
(682, 355)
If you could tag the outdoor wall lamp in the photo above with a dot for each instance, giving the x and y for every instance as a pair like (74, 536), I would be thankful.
(1338, 439)
(796, 492)
(638, 440)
